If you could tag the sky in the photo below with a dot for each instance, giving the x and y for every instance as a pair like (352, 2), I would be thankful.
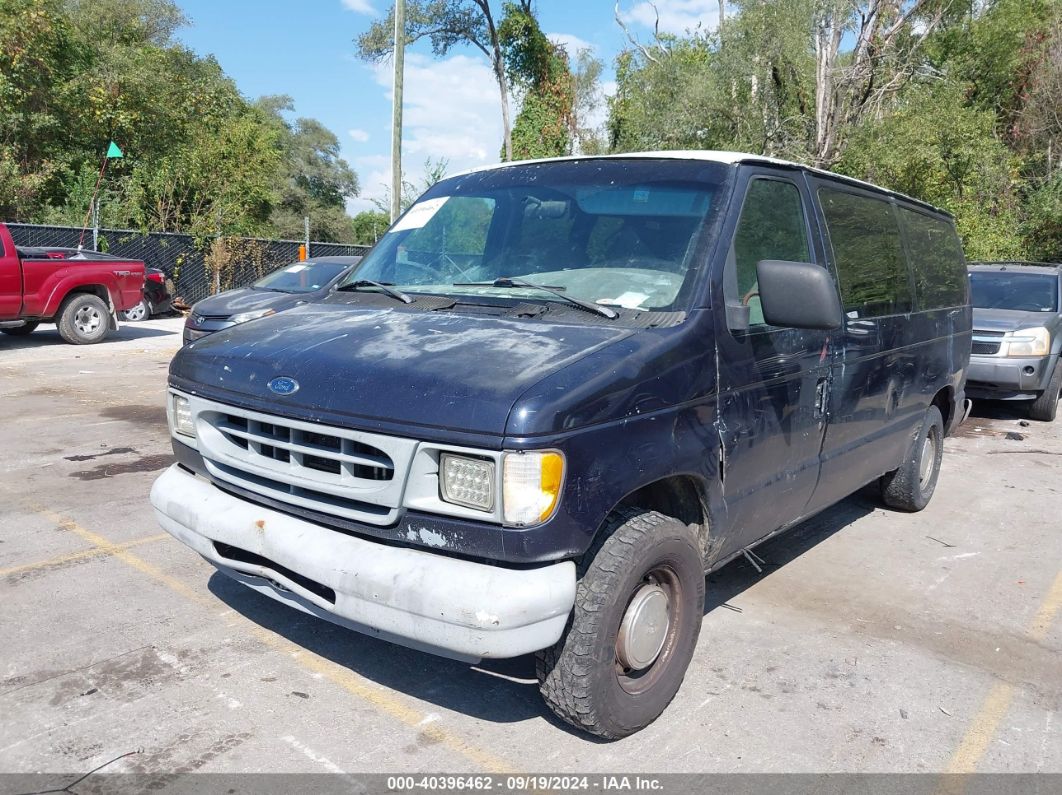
(451, 108)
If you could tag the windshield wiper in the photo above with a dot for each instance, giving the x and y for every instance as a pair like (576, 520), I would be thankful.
(516, 281)
(383, 287)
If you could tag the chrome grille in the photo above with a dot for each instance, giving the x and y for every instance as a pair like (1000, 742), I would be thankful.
(348, 473)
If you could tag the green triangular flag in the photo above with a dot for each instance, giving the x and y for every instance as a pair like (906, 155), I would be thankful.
(113, 152)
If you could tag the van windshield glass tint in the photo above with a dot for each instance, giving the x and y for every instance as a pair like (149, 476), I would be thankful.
(301, 277)
(1027, 292)
(618, 233)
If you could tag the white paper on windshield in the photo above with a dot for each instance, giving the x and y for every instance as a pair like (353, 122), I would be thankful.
(630, 300)
(420, 214)
(295, 268)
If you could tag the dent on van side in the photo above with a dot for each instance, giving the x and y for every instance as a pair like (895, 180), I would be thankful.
(556, 393)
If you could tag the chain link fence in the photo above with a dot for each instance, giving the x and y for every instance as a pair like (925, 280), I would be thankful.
(196, 269)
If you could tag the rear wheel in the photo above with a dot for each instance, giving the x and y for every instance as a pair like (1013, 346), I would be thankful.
(141, 311)
(21, 331)
(83, 319)
(910, 487)
(638, 609)
(1045, 407)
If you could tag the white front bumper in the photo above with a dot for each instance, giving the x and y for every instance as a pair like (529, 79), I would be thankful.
(440, 604)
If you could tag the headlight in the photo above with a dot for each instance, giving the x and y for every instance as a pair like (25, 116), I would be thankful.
(467, 481)
(1028, 342)
(531, 485)
(243, 317)
(182, 416)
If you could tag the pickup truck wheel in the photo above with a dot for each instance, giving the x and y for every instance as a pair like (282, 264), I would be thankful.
(1045, 407)
(638, 609)
(20, 331)
(910, 487)
(83, 319)
(141, 311)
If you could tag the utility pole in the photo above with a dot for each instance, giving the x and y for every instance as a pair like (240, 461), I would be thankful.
(96, 225)
(396, 115)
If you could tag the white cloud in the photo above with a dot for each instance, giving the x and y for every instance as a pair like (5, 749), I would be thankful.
(451, 111)
(571, 43)
(359, 6)
(676, 16)
(597, 119)
(358, 135)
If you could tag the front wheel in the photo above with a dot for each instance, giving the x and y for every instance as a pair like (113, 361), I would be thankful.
(638, 609)
(83, 319)
(910, 487)
(1045, 407)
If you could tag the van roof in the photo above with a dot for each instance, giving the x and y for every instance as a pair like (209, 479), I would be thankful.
(716, 156)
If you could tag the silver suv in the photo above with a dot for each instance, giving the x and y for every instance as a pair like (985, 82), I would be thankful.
(1017, 334)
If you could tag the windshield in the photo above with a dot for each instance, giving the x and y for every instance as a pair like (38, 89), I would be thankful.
(617, 233)
(1029, 292)
(301, 277)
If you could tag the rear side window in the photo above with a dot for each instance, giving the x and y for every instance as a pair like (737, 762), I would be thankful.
(868, 252)
(936, 260)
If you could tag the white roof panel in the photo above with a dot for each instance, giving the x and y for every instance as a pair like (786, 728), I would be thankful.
(709, 155)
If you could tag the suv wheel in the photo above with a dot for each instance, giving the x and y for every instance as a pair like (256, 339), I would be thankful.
(1045, 407)
(910, 487)
(141, 311)
(83, 319)
(638, 609)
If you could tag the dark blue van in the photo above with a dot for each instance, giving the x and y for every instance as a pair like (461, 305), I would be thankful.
(557, 393)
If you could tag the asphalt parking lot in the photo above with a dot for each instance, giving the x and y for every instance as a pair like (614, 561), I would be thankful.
(873, 641)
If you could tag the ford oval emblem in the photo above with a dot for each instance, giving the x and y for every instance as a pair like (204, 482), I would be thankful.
(284, 385)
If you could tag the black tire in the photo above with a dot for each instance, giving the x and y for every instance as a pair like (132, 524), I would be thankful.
(1045, 407)
(84, 319)
(910, 487)
(138, 313)
(21, 331)
(581, 677)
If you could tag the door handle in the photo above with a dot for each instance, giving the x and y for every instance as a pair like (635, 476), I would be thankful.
(822, 397)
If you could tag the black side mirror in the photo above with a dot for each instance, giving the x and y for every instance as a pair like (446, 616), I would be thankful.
(798, 295)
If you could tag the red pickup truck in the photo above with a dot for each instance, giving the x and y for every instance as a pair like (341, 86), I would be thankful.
(80, 291)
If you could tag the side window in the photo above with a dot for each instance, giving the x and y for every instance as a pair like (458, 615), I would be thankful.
(936, 259)
(772, 226)
(867, 249)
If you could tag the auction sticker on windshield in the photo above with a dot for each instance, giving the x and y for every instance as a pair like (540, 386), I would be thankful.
(419, 214)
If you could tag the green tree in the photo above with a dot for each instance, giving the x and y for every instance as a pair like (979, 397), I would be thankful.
(586, 85)
(369, 226)
(75, 74)
(937, 149)
(314, 181)
(539, 69)
(39, 57)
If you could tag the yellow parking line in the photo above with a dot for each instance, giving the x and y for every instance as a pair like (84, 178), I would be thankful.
(983, 727)
(356, 685)
(93, 552)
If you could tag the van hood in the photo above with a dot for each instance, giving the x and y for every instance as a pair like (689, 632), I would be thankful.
(400, 367)
(232, 302)
(1009, 319)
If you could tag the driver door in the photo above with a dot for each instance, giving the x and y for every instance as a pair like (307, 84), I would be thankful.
(773, 381)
